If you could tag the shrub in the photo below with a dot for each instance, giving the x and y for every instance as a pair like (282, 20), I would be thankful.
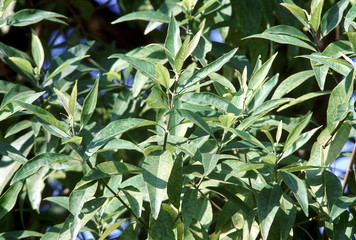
(221, 122)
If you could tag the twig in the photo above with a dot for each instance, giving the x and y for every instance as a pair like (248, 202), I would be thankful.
(349, 168)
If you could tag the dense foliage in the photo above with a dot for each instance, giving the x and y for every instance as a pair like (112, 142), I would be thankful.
(168, 119)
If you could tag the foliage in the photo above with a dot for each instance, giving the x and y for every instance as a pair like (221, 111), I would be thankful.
(210, 140)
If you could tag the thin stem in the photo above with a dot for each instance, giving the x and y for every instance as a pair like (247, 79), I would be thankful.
(166, 132)
(349, 168)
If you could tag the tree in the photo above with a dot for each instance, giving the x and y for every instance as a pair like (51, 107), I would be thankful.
(182, 120)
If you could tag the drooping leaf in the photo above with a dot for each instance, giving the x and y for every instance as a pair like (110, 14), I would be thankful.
(27, 17)
(32, 166)
(8, 150)
(175, 182)
(286, 215)
(163, 226)
(267, 207)
(35, 185)
(189, 204)
(143, 15)
(298, 188)
(135, 199)
(111, 228)
(112, 130)
(341, 205)
(8, 199)
(338, 65)
(155, 171)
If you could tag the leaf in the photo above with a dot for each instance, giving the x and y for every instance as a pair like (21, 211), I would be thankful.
(320, 72)
(175, 182)
(279, 131)
(340, 95)
(196, 119)
(73, 100)
(120, 144)
(247, 137)
(111, 228)
(163, 77)
(11, 152)
(302, 99)
(295, 133)
(337, 143)
(286, 215)
(298, 188)
(315, 15)
(64, 100)
(259, 76)
(206, 99)
(338, 65)
(156, 169)
(112, 130)
(8, 199)
(157, 99)
(291, 83)
(163, 227)
(146, 68)
(297, 12)
(59, 200)
(303, 139)
(27, 17)
(232, 197)
(37, 52)
(20, 234)
(210, 68)
(23, 67)
(64, 65)
(194, 43)
(189, 205)
(134, 197)
(143, 15)
(90, 103)
(341, 205)
(222, 80)
(283, 39)
(35, 185)
(173, 41)
(267, 207)
(262, 110)
(48, 119)
(108, 169)
(333, 17)
(34, 164)
(18, 127)
(181, 55)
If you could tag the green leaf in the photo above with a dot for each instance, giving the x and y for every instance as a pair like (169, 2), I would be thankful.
(108, 169)
(173, 41)
(302, 99)
(35, 185)
(298, 13)
(291, 83)
(120, 144)
(19, 234)
(134, 197)
(262, 110)
(194, 43)
(315, 15)
(48, 119)
(210, 68)
(37, 52)
(65, 65)
(207, 99)
(73, 100)
(156, 169)
(27, 17)
(8, 199)
(181, 55)
(232, 197)
(267, 207)
(286, 215)
(247, 137)
(189, 205)
(196, 119)
(64, 100)
(90, 103)
(349, 18)
(111, 228)
(24, 67)
(260, 75)
(303, 139)
(295, 133)
(157, 99)
(18, 127)
(163, 226)
(230, 168)
(298, 188)
(112, 130)
(345, 226)
(175, 182)
(59, 200)
(146, 68)
(163, 77)
(339, 65)
(320, 72)
(283, 39)
(222, 80)
(143, 15)
(340, 95)
(34, 164)
(11, 152)
(337, 143)
(341, 205)
(333, 17)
